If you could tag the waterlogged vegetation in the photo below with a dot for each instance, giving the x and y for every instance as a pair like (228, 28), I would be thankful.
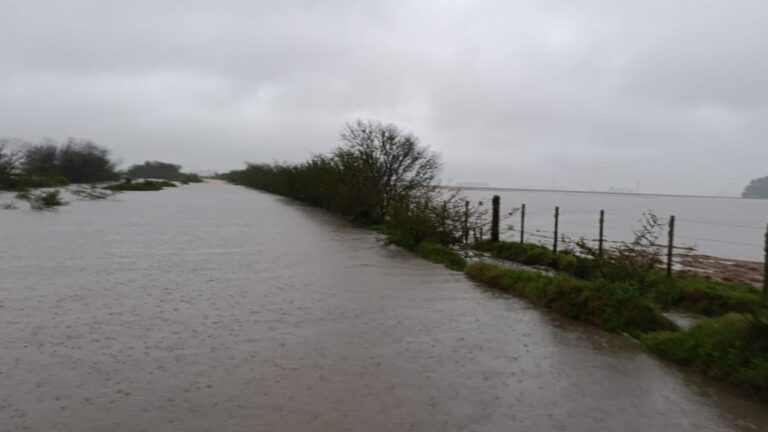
(440, 254)
(145, 185)
(382, 178)
(616, 307)
(43, 200)
(26, 165)
(628, 295)
(689, 293)
(733, 348)
(33, 170)
(157, 170)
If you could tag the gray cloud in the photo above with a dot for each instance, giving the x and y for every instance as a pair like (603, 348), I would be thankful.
(583, 94)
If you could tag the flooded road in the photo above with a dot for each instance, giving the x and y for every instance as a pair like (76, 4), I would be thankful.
(217, 308)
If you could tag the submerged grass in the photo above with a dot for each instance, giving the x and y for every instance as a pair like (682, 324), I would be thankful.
(146, 185)
(537, 255)
(615, 307)
(440, 254)
(732, 348)
(731, 345)
(689, 293)
(712, 298)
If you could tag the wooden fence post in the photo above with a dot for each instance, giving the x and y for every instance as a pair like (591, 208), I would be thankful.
(670, 245)
(522, 224)
(466, 222)
(495, 218)
(600, 238)
(765, 264)
(557, 226)
(444, 223)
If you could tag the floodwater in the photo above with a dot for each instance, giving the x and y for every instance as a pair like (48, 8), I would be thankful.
(723, 227)
(217, 308)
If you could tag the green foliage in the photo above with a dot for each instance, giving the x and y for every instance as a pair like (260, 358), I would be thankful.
(161, 171)
(154, 170)
(9, 165)
(146, 185)
(732, 348)
(82, 161)
(91, 192)
(537, 255)
(689, 293)
(378, 176)
(440, 254)
(714, 298)
(43, 200)
(615, 307)
(185, 178)
(49, 164)
(34, 182)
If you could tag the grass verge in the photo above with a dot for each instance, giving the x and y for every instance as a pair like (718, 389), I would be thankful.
(732, 348)
(615, 307)
(692, 294)
(440, 254)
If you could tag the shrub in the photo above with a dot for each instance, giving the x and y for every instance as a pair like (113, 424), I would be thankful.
(533, 254)
(690, 293)
(732, 348)
(440, 254)
(614, 307)
(146, 185)
(713, 298)
(44, 200)
(91, 192)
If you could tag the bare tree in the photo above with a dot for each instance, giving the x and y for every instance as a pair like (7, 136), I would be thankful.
(9, 163)
(386, 164)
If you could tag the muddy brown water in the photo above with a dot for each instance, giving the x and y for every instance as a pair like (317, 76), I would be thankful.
(217, 308)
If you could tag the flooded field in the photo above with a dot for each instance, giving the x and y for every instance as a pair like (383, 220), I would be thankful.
(722, 227)
(217, 308)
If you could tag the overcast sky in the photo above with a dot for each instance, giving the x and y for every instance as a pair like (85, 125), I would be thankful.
(563, 93)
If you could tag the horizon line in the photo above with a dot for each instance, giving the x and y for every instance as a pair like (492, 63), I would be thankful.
(511, 189)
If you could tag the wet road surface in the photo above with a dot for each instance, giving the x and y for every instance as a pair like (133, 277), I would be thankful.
(217, 308)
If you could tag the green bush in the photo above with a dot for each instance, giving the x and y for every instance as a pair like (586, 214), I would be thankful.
(615, 307)
(146, 185)
(689, 293)
(732, 348)
(22, 182)
(533, 254)
(713, 298)
(440, 254)
(44, 200)
(185, 178)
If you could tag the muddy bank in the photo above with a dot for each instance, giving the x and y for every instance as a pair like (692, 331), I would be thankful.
(724, 269)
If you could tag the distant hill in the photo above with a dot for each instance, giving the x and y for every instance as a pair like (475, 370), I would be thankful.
(757, 188)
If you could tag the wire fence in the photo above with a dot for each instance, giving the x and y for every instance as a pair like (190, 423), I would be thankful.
(677, 249)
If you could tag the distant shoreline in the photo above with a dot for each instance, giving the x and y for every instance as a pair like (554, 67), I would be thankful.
(629, 194)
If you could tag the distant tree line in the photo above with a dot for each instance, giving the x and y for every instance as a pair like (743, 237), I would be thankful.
(757, 188)
(50, 163)
(161, 171)
(379, 175)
